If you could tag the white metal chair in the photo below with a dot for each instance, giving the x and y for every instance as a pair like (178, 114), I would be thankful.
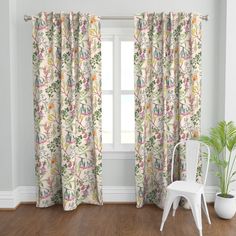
(189, 189)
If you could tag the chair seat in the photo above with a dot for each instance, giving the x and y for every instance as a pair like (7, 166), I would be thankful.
(192, 191)
(186, 186)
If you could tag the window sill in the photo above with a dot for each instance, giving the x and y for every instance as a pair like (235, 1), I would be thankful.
(118, 155)
(120, 148)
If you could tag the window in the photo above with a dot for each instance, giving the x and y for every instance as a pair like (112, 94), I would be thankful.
(107, 88)
(117, 89)
(127, 92)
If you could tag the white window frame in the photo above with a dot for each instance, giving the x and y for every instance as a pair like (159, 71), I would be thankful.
(116, 35)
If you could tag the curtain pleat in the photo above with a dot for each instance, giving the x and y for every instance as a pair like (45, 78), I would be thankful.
(167, 97)
(67, 108)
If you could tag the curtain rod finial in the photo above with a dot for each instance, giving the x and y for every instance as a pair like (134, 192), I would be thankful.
(27, 18)
(206, 17)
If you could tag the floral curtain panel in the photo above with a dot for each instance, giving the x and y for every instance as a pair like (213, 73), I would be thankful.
(67, 108)
(167, 97)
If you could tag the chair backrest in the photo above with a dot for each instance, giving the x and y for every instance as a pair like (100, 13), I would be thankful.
(192, 151)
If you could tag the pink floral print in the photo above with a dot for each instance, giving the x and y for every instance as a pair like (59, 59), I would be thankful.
(167, 97)
(67, 109)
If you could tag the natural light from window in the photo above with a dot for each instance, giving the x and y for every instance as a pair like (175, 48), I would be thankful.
(127, 91)
(118, 93)
(107, 97)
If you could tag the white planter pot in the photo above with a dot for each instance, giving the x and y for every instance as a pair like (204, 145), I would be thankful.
(225, 207)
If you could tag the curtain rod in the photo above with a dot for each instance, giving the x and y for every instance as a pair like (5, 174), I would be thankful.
(29, 18)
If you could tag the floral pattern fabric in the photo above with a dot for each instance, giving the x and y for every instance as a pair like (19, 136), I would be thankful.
(67, 108)
(167, 97)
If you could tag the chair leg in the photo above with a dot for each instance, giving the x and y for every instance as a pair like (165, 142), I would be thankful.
(175, 205)
(196, 210)
(205, 209)
(169, 200)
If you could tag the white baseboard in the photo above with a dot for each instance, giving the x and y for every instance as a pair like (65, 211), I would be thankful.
(26, 194)
(119, 194)
(210, 193)
(10, 199)
(7, 199)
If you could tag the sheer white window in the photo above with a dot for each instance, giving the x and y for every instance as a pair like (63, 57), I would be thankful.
(127, 92)
(118, 90)
(107, 88)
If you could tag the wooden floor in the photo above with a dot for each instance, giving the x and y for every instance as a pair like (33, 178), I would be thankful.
(107, 220)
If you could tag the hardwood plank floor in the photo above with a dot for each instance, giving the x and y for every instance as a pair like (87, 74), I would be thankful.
(107, 220)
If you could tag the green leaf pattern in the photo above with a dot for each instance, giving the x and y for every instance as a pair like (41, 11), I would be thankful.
(67, 108)
(167, 97)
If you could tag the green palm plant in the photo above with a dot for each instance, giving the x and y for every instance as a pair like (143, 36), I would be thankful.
(222, 140)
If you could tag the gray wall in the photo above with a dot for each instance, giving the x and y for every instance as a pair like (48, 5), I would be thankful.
(5, 100)
(115, 172)
(230, 65)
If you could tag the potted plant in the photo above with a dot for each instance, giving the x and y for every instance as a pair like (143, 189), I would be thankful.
(222, 140)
